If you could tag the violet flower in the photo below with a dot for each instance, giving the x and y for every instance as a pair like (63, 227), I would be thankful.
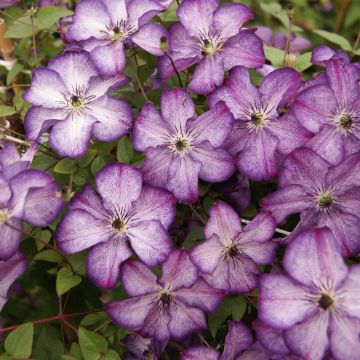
(332, 112)
(260, 133)
(123, 215)
(321, 54)
(8, 3)
(315, 302)
(180, 147)
(107, 26)
(324, 195)
(141, 348)
(229, 256)
(171, 307)
(70, 97)
(10, 270)
(211, 35)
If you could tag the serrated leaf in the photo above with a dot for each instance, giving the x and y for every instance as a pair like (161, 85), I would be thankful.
(66, 280)
(91, 344)
(335, 39)
(20, 28)
(65, 166)
(19, 342)
(49, 255)
(6, 110)
(49, 15)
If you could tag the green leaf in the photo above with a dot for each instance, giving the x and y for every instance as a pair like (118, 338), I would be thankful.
(20, 28)
(87, 159)
(125, 151)
(93, 319)
(6, 110)
(5, 356)
(15, 70)
(97, 165)
(66, 280)
(78, 262)
(303, 62)
(49, 255)
(44, 235)
(112, 355)
(195, 234)
(238, 309)
(49, 15)
(81, 177)
(91, 344)
(335, 39)
(276, 56)
(19, 342)
(48, 345)
(65, 166)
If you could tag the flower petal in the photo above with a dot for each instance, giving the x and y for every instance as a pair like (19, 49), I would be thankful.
(99, 86)
(137, 279)
(156, 324)
(148, 38)
(350, 292)
(150, 241)
(10, 238)
(104, 260)
(200, 353)
(282, 302)
(140, 11)
(79, 230)
(212, 126)
(229, 19)
(46, 89)
(118, 185)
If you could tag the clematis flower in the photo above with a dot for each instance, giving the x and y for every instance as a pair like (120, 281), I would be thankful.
(141, 348)
(324, 195)
(332, 112)
(321, 54)
(122, 213)
(229, 255)
(315, 302)
(211, 35)
(29, 195)
(105, 26)
(181, 147)
(10, 155)
(10, 270)
(8, 3)
(171, 307)
(260, 133)
(71, 98)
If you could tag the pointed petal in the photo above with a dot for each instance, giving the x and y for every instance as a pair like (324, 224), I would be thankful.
(118, 185)
(178, 271)
(257, 160)
(10, 238)
(229, 19)
(149, 129)
(224, 222)
(260, 229)
(208, 74)
(114, 118)
(217, 165)
(212, 126)
(183, 177)
(313, 258)
(291, 199)
(206, 256)
(79, 230)
(46, 89)
(321, 54)
(244, 49)
(309, 339)
(140, 11)
(200, 353)
(156, 325)
(282, 302)
(148, 38)
(155, 204)
(260, 253)
(71, 137)
(137, 279)
(200, 295)
(104, 260)
(150, 241)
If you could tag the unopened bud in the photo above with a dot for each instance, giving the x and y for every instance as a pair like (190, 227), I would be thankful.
(290, 60)
(290, 11)
(164, 45)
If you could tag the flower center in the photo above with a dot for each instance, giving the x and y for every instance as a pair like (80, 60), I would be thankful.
(117, 34)
(258, 119)
(76, 101)
(232, 251)
(119, 225)
(4, 216)
(165, 299)
(346, 121)
(325, 301)
(119, 31)
(180, 145)
(325, 200)
(148, 355)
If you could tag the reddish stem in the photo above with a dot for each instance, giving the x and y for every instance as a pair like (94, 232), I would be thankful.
(52, 318)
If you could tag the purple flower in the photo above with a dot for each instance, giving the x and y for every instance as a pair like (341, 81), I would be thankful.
(332, 112)
(122, 213)
(260, 133)
(10, 270)
(181, 147)
(172, 306)
(229, 256)
(321, 54)
(140, 348)
(107, 25)
(30, 195)
(210, 35)
(324, 195)
(316, 302)
(237, 341)
(9, 155)
(70, 97)
(8, 3)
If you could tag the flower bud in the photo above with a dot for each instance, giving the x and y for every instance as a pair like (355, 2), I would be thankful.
(290, 60)
(164, 45)
(290, 11)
